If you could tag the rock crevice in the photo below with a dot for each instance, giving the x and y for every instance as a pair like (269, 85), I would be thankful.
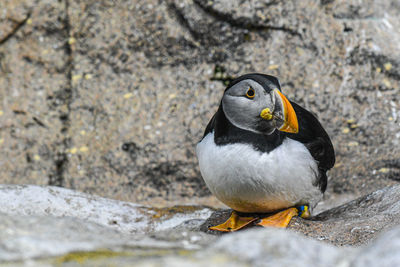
(56, 177)
(14, 30)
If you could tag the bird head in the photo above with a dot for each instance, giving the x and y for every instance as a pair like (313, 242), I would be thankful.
(255, 102)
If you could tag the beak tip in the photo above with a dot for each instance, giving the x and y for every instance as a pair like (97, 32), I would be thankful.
(291, 124)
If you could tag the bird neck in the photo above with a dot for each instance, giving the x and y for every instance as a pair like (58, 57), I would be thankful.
(227, 133)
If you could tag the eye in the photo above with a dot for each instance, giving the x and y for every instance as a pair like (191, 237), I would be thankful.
(250, 93)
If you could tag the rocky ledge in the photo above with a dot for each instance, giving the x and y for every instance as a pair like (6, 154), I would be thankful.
(353, 223)
(55, 226)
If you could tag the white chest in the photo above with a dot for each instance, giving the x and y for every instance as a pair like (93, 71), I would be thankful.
(252, 181)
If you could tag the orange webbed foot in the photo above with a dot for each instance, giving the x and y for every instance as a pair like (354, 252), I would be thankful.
(234, 223)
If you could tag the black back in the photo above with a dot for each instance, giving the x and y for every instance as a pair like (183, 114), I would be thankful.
(311, 134)
(314, 137)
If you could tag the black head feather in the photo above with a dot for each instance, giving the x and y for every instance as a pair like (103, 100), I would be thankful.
(267, 81)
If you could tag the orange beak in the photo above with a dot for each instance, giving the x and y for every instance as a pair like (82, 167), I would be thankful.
(290, 125)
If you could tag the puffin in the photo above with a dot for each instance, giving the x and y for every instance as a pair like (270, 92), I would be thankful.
(263, 155)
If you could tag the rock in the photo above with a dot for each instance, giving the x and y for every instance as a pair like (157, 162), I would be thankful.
(276, 247)
(115, 95)
(384, 250)
(34, 98)
(368, 84)
(354, 223)
(256, 247)
(27, 237)
(121, 216)
(271, 247)
(148, 101)
(42, 222)
(50, 226)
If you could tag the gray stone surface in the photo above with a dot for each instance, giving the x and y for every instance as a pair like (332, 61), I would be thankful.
(124, 217)
(33, 82)
(271, 247)
(110, 97)
(27, 237)
(384, 251)
(354, 223)
(48, 226)
(42, 222)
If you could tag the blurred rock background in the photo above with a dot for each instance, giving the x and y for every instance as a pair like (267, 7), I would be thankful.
(110, 97)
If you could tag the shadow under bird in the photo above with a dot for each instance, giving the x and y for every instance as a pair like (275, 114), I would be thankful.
(263, 154)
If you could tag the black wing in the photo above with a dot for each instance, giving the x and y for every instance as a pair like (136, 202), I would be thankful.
(314, 137)
(210, 126)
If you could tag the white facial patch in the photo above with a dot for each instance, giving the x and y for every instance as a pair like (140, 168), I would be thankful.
(243, 112)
